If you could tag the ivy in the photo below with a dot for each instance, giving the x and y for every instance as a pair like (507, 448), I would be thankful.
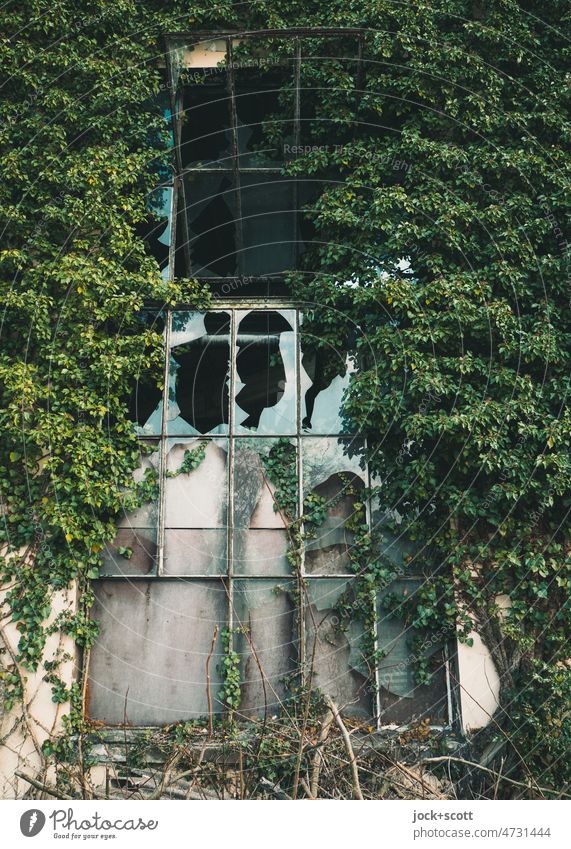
(453, 157)
(192, 459)
(230, 693)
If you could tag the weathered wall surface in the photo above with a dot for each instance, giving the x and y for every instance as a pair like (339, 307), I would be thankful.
(479, 684)
(24, 728)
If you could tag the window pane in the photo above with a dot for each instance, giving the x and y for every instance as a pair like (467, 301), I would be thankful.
(401, 698)
(148, 666)
(325, 375)
(329, 543)
(261, 124)
(329, 456)
(199, 373)
(205, 132)
(146, 398)
(196, 485)
(268, 652)
(134, 551)
(211, 212)
(269, 231)
(194, 551)
(266, 372)
(334, 655)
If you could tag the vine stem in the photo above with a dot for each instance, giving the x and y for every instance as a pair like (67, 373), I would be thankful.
(208, 693)
(348, 747)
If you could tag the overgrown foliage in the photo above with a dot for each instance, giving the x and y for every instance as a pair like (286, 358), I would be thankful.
(453, 157)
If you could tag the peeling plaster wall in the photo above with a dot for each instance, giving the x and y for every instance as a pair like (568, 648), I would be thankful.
(25, 727)
(480, 684)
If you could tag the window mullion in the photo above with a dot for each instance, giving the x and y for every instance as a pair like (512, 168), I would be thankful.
(231, 83)
(301, 576)
(296, 141)
(231, 454)
(163, 447)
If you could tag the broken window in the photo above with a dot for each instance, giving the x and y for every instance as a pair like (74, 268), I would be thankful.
(240, 480)
(256, 487)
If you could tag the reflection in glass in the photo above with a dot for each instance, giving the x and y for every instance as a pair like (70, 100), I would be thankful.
(211, 210)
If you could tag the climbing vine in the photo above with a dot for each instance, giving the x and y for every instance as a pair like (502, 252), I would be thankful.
(440, 264)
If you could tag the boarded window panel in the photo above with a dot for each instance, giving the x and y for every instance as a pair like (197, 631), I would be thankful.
(401, 699)
(192, 551)
(268, 654)
(199, 373)
(266, 372)
(149, 662)
(334, 656)
(196, 499)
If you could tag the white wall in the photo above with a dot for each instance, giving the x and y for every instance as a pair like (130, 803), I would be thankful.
(28, 724)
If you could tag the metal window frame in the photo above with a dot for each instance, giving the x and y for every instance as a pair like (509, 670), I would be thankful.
(171, 40)
(174, 41)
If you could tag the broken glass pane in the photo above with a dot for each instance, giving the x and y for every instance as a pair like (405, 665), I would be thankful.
(196, 483)
(334, 652)
(266, 642)
(149, 662)
(325, 376)
(199, 373)
(328, 542)
(327, 456)
(265, 504)
(211, 213)
(146, 393)
(266, 372)
(402, 700)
